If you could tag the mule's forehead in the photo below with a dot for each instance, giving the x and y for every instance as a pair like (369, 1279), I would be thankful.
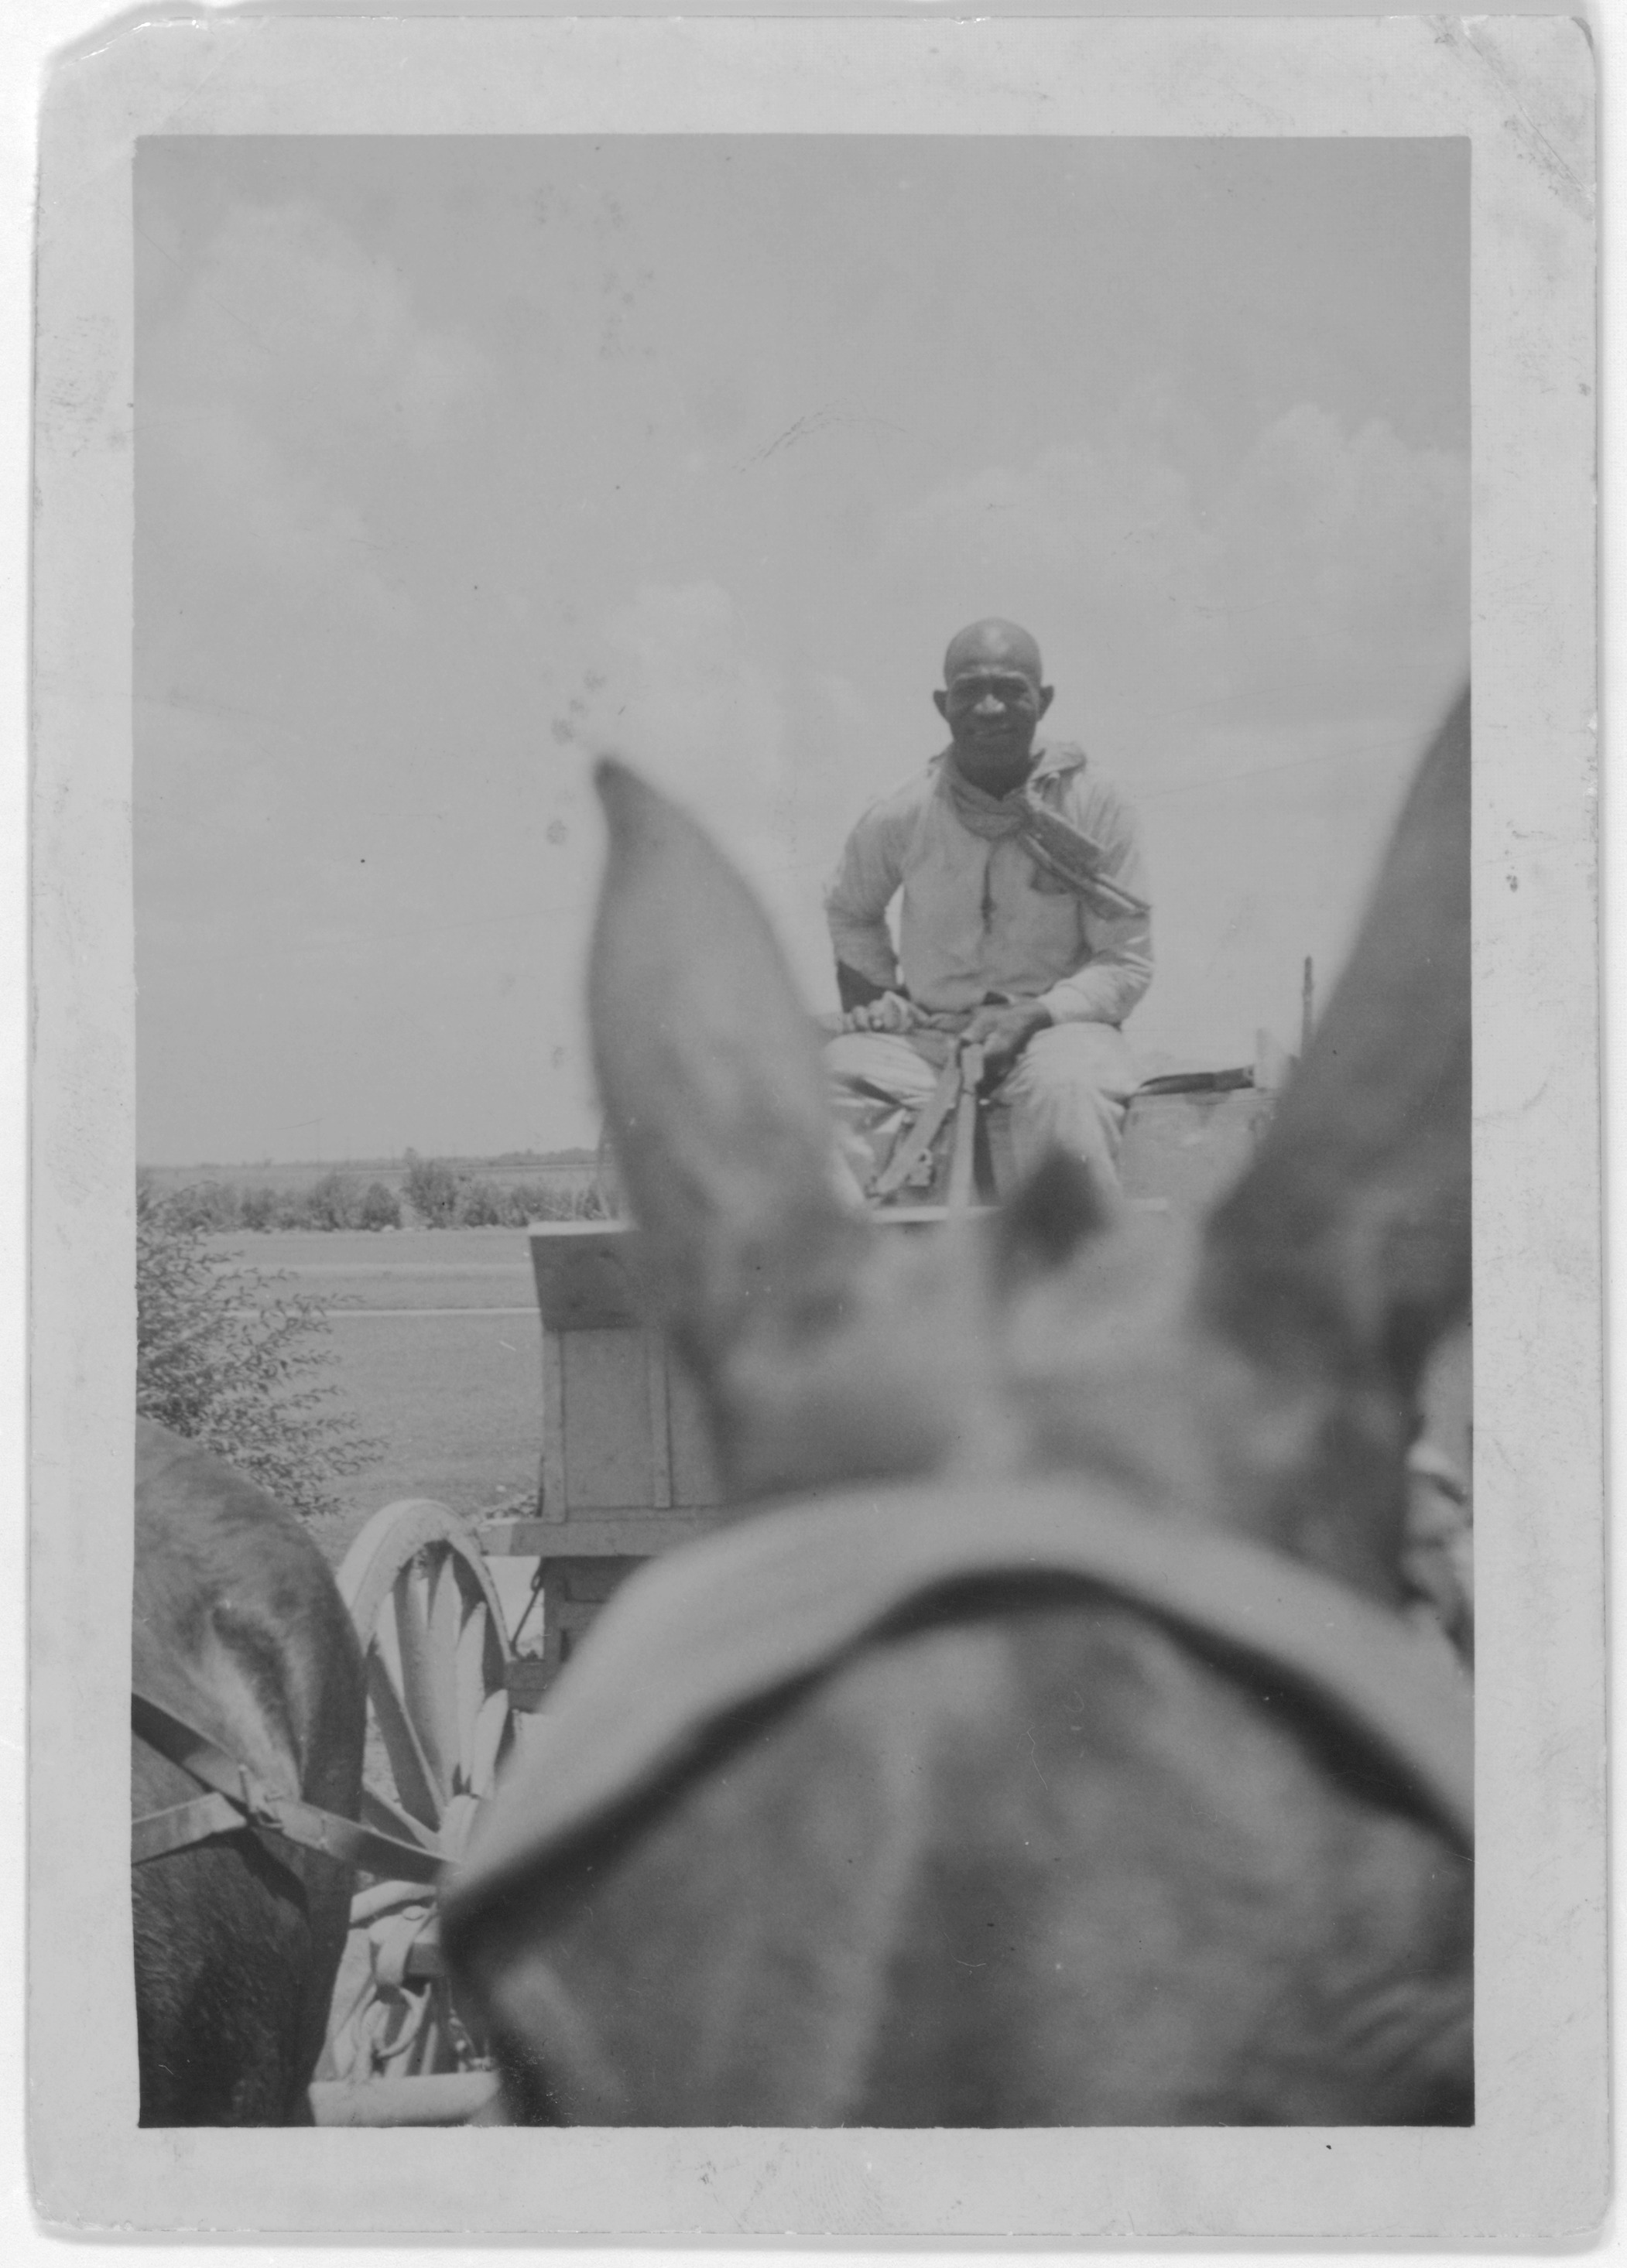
(906, 1382)
(955, 1301)
(1116, 1370)
(1121, 1293)
(966, 1351)
(923, 1265)
(945, 1342)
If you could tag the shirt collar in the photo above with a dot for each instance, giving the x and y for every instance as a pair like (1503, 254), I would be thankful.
(1056, 758)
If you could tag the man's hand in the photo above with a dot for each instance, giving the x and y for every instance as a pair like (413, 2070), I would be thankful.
(1002, 1034)
(893, 1012)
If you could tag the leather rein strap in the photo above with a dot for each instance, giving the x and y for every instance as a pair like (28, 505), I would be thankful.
(238, 1802)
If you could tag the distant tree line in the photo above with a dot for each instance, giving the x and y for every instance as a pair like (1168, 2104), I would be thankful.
(434, 1194)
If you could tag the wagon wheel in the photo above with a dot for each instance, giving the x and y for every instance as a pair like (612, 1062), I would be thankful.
(438, 1728)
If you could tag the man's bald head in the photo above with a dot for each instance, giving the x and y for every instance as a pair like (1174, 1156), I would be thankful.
(994, 695)
(991, 643)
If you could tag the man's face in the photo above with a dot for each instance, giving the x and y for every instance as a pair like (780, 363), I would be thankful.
(993, 707)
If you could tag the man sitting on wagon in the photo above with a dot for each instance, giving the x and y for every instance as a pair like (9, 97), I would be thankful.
(1024, 926)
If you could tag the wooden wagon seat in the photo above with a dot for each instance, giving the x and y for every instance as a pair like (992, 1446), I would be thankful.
(1188, 1133)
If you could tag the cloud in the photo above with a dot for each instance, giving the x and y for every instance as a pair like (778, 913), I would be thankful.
(1324, 575)
(673, 692)
(1101, 544)
(238, 495)
(1345, 564)
(287, 310)
(292, 387)
(676, 690)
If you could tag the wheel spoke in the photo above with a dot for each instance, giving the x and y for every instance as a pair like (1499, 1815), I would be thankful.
(447, 1606)
(473, 1685)
(490, 1744)
(388, 1818)
(415, 1777)
(419, 1685)
(446, 2049)
(431, 2045)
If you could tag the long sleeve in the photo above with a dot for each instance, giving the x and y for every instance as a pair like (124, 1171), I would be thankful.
(860, 890)
(1120, 968)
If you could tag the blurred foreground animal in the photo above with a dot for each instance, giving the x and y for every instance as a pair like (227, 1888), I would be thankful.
(241, 1640)
(1047, 1746)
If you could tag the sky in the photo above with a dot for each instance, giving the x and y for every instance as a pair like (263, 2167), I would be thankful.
(460, 461)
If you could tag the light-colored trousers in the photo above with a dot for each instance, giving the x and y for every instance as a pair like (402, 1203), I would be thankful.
(1069, 1089)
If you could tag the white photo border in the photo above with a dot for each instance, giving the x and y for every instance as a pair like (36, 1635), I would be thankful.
(1520, 89)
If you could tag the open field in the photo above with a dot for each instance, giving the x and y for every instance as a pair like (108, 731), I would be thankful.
(440, 1356)
(395, 1269)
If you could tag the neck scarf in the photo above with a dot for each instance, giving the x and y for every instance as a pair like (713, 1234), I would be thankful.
(990, 816)
(1057, 847)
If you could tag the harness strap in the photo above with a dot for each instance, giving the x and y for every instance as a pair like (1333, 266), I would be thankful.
(239, 1801)
(721, 1625)
(154, 1834)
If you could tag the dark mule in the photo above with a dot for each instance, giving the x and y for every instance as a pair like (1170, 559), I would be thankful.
(919, 1821)
(240, 1632)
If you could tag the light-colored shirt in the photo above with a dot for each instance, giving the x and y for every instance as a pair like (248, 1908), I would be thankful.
(977, 915)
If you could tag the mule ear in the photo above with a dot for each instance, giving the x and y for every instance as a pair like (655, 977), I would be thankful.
(713, 1086)
(1348, 1240)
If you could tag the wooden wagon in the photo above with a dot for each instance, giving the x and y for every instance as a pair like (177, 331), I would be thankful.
(625, 1473)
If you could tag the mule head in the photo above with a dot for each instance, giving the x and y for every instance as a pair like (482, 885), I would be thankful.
(1260, 1371)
